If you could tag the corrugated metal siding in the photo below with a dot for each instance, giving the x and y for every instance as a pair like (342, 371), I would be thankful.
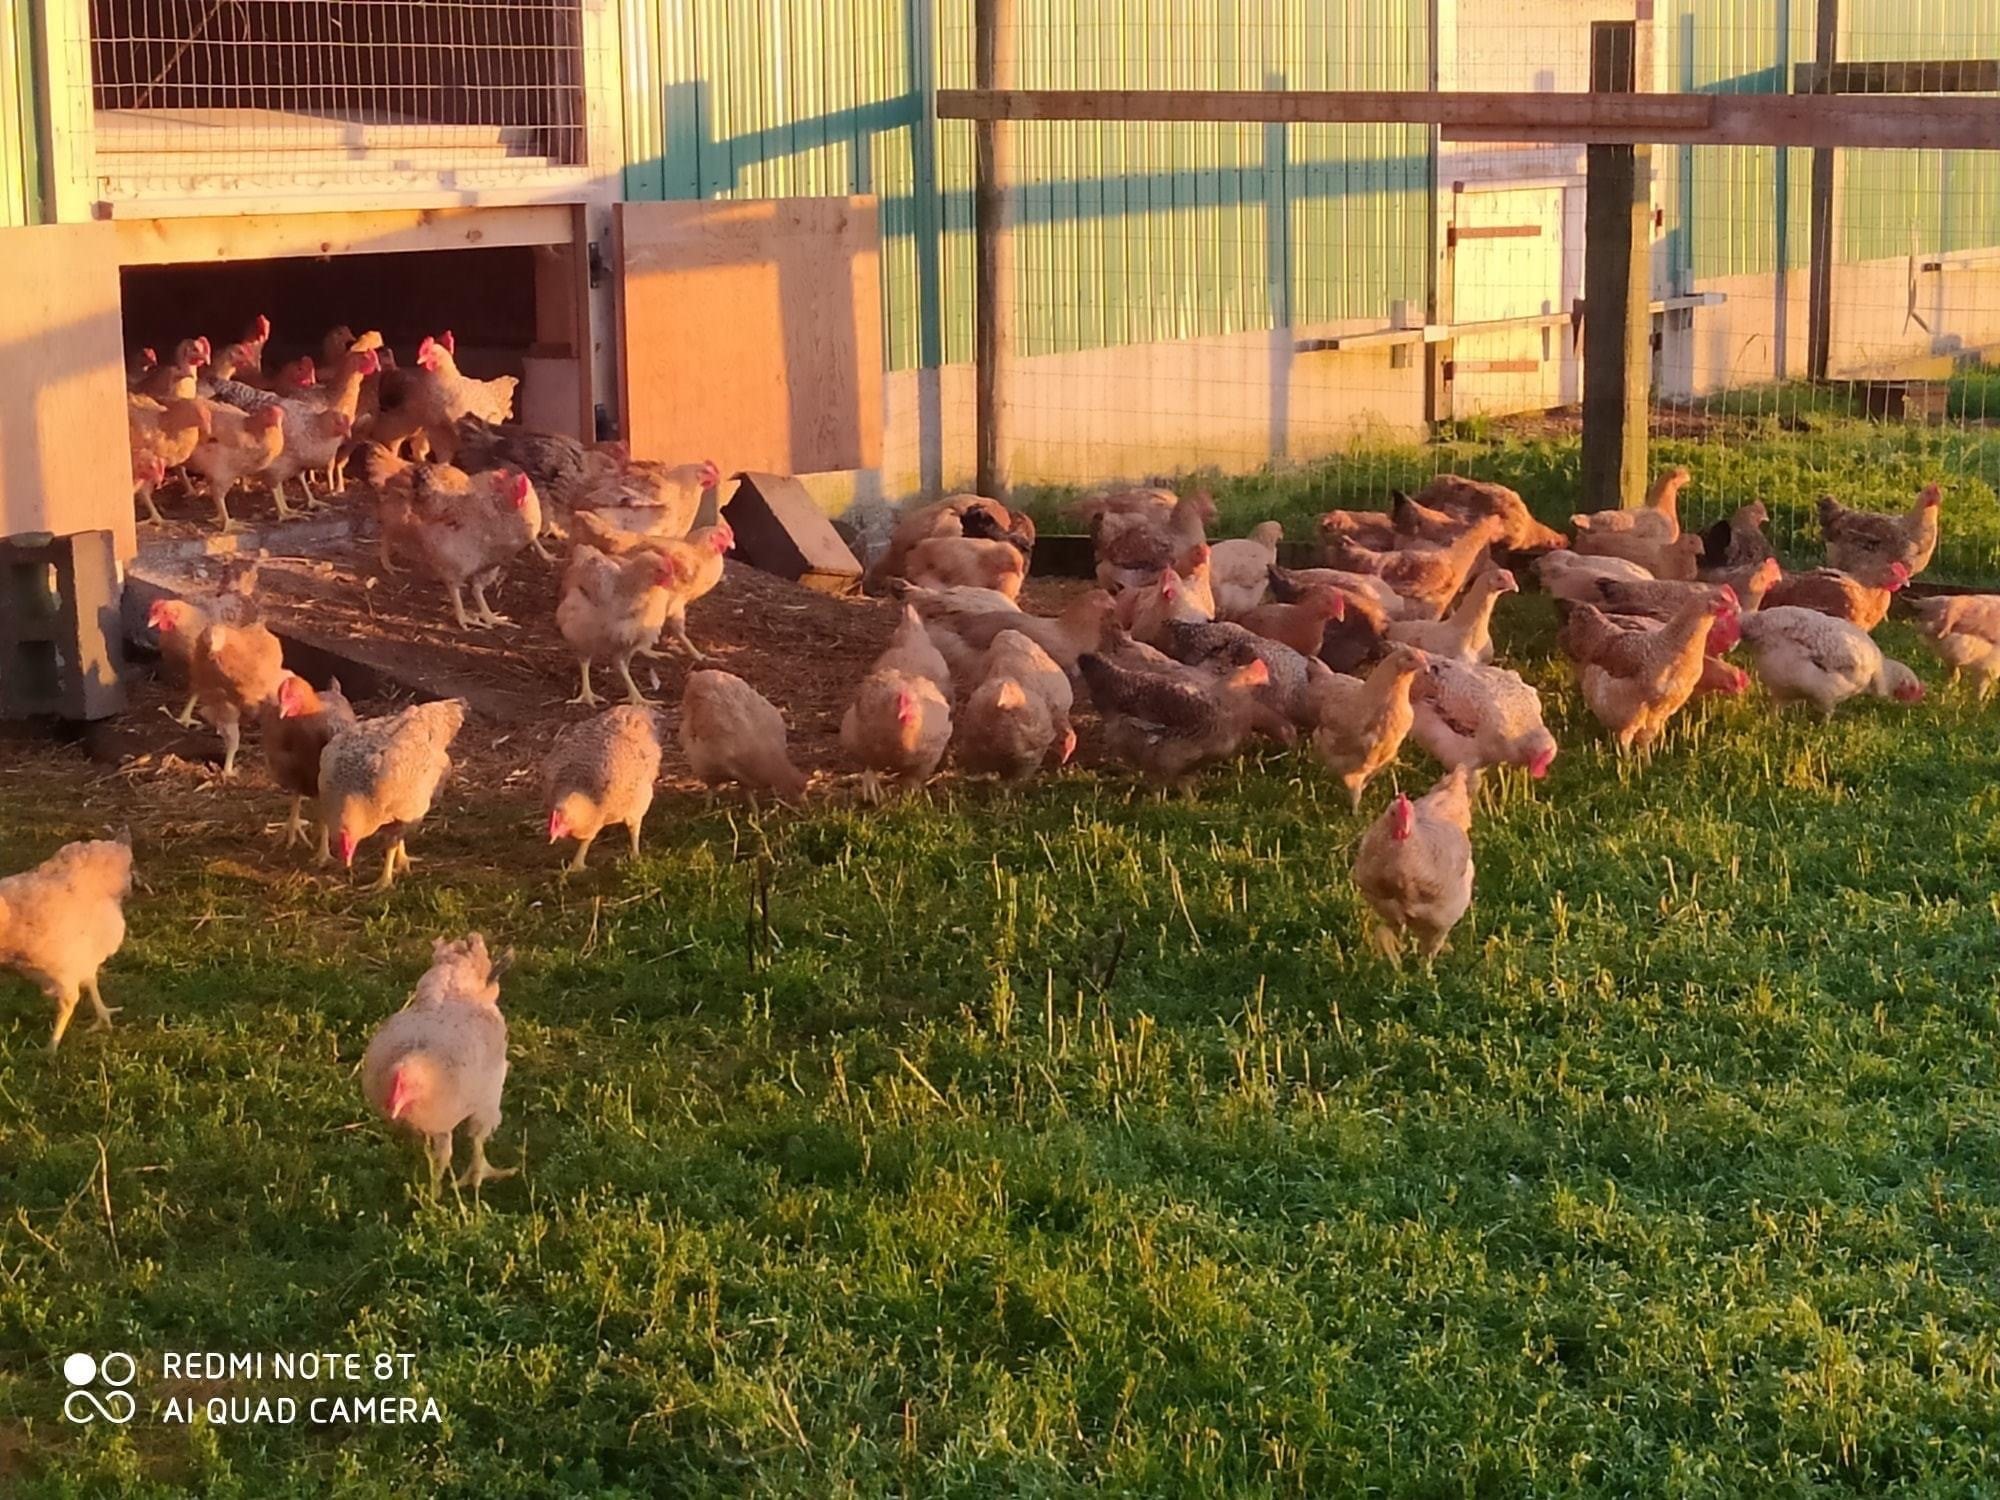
(1127, 233)
(19, 169)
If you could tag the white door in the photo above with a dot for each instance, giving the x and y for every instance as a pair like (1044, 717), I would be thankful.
(1506, 265)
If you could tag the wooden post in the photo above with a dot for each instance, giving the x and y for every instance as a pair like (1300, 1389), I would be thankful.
(993, 291)
(1617, 291)
(1825, 220)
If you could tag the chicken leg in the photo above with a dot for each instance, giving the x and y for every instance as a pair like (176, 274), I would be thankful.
(66, 1002)
(220, 500)
(582, 853)
(632, 832)
(585, 695)
(398, 858)
(437, 1150)
(152, 510)
(458, 609)
(185, 718)
(485, 615)
(232, 740)
(632, 693)
(479, 1170)
(295, 825)
(677, 625)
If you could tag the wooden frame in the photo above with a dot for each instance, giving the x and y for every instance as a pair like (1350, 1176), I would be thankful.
(1888, 122)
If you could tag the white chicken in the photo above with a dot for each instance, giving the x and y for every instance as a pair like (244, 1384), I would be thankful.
(1805, 656)
(60, 921)
(1474, 716)
(1414, 866)
(1239, 569)
(1964, 632)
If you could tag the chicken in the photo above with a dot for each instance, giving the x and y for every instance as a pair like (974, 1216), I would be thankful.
(1751, 581)
(1372, 529)
(566, 474)
(1466, 634)
(464, 528)
(1008, 731)
(1147, 611)
(239, 446)
(61, 920)
(1428, 581)
(1220, 647)
(1417, 524)
(672, 494)
(429, 400)
(1240, 569)
(1475, 716)
(1015, 655)
(235, 672)
(1574, 578)
(139, 364)
(698, 569)
(1414, 866)
(897, 727)
(1637, 535)
(1660, 599)
(1476, 499)
(1805, 656)
(953, 516)
(1360, 723)
(164, 436)
(731, 733)
(1636, 681)
(318, 421)
(181, 379)
(963, 635)
(600, 774)
(380, 776)
(441, 1061)
(1169, 727)
(1300, 625)
(298, 724)
(911, 650)
(1964, 631)
(972, 562)
(1196, 570)
(1133, 546)
(1862, 601)
(1864, 543)
(179, 624)
(1738, 541)
(1287, 584)
(611, 609)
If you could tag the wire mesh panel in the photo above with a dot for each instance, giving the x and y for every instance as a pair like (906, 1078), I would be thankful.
(288, 92)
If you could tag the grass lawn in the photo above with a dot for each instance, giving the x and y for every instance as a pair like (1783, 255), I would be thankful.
(1030, 1144)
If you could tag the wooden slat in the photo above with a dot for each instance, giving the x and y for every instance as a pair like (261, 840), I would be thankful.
(177, 241)
(1965, 75)
(1498, 232)
(752, 332)
(1894, 122)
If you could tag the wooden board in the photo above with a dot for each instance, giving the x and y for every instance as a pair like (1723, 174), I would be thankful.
(751, 333)
(1960, 123)
(65, 464)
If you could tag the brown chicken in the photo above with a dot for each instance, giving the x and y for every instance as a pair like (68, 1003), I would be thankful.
(967, 562)
(441, 1061)
(1016, 656)
(1372, 529)
(1862, 601)
(1964, 631)
(1477, 499)
(897, 727)
(1414, 866)
(380, 776)
(963, 634)
(462, 528)
(61, 921)
(730, 732)
(1637, 535)
(1169, 727)
(1864, 543)
(953, 516)
(179, 623)
(1301, 625)
(611, 609)
(912, 650)
(697, 570)
(1738, 541)
(1133, 546)
(429, 400)
(164, 436)
(1417, 523)
(239, 446)
(235, 672)
(1661, 599)
(298, 724)
(1429, 580)
(1362, 722)
(601, 774)
(1635, 683)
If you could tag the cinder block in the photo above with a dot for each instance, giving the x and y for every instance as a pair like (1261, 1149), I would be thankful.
(779, 529)
(62, 650)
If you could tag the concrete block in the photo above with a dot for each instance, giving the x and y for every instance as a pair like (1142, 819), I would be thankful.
(780, 530)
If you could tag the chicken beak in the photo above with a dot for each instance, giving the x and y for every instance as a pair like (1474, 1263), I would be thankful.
(401, 1094)
(1068, 746)
(558, 828)
(345, 843)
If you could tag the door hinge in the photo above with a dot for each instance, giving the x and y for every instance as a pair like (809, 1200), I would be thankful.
(597, 267)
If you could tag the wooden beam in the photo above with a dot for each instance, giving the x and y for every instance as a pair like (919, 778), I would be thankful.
(175, 241)
(1825, 249)
(1966, 75)
(1887, 122)
(1617, 290)
(993, 279)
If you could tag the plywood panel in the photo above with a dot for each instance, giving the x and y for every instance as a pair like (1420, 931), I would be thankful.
(752, 332)
(64, 462)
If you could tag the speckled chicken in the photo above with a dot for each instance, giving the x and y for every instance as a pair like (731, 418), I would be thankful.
(61, 921)
(1414, 867)
(897, 729)
(1361, 722)
(1169, 727)
(440, 1062)
(1220, 647)
(1240, 569)
(1864, 543)
(1805, 656)
(1964, 632)
(380, 777)
(1635, 683)
(1466, 634)
(600, 774)
(298, 724)
(730, 732)
(1862, 601)
(610, 609)
(235, 672)
(1473, 716)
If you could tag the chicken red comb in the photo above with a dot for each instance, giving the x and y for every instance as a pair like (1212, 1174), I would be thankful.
(521, 488)
(261, 329)
(401, 1093)
(450, 343)
(1931, 496)
(151, 355)
(725, 536)
(558, 825)
(711, 476)
(160, 617)
(1402, 817)
(368, 362)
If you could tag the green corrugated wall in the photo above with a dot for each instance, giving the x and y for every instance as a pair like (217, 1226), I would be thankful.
(1127, 233)
(20, 192)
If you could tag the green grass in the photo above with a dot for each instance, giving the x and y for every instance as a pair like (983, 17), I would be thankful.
(1068, 1141)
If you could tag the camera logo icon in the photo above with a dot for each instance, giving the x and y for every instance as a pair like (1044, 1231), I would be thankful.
(83, 1404)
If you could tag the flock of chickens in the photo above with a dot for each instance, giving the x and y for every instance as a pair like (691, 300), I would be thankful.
(1187, 651)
